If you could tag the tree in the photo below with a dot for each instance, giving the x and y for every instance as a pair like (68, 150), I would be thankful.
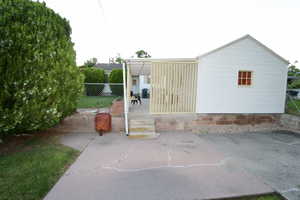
(142, 54)
(91, 62)
(116, 76)
(39, 80)
(293, 70)
(93, 75)
(119, 60)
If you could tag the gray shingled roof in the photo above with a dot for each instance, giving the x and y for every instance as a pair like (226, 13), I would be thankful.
(109, 66)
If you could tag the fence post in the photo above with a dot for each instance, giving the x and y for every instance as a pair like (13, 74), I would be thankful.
(125, 100)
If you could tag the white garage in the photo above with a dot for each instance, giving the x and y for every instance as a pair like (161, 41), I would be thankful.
(243, 76)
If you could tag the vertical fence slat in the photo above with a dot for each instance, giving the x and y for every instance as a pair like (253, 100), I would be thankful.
(177, 88)
(190, 100)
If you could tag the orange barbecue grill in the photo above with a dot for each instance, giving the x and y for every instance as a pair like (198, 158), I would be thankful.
(102, 123)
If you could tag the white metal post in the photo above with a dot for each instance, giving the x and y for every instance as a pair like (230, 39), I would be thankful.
(125, 100)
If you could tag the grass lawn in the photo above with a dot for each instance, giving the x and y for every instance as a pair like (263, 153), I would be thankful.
(95, 102)
(32, 168)
(291, 108)
(262, 197)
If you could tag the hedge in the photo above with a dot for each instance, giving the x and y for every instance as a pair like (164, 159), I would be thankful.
(93, 75)
(116, 76)
(39, 80)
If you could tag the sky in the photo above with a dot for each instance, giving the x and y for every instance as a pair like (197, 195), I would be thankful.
(177, 28)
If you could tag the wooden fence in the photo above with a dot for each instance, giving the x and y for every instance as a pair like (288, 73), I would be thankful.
(173, 87)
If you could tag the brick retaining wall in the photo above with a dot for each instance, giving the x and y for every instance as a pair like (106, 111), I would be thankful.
(290, 121)
(217, 123)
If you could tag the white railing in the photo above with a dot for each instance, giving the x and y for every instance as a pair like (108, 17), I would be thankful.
(125, 100)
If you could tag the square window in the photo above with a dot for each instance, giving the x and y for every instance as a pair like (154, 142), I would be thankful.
(245, 78)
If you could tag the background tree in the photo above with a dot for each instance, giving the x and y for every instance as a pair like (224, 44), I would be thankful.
(293, 70)
(39, 80)
(91, 62)
(93, 75)
(116, 76)
(142, 54)
(119, 60)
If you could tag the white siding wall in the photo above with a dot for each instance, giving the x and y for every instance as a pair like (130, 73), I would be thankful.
(143, 84)
(218, 91)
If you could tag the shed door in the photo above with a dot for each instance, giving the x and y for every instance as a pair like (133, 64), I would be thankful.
(173, 87)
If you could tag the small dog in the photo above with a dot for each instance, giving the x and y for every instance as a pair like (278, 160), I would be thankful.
(139, 99)
(136, 100)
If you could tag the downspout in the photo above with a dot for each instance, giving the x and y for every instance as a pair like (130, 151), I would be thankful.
(125, 99)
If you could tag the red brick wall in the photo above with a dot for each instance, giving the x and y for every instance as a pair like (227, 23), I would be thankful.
(117, 109)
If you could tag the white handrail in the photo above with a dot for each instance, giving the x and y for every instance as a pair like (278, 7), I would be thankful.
(125, 99)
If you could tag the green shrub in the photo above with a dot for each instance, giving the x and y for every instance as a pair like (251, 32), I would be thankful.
(39, 80)
(116, 76)
(93, 75)
(295, 84)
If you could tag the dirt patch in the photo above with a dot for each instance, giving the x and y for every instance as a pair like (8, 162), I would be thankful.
(11, 143)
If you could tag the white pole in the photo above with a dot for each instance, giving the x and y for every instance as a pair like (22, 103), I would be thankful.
(125, 100)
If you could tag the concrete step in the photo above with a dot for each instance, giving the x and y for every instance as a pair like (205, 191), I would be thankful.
(142, 127)
(144, 136)
(143, 133)
(142, 122)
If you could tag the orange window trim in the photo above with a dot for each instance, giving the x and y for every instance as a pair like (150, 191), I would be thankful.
(245, 78)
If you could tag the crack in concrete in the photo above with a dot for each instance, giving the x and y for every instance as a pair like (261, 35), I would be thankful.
(289, 144)
(124, 156)
(218, 164)
(169, 157)
(113, 166)
(89, 142)
(291, 190)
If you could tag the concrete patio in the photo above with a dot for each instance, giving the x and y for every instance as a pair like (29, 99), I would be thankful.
(173, 166)
(140, 108)
(274, 157)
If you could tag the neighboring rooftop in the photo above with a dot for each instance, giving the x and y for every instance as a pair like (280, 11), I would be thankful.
(109, 66)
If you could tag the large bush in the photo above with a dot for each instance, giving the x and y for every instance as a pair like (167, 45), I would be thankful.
(39, 80)
(116, 76)
(93, 75)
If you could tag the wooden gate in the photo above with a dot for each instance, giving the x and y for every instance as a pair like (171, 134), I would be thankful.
(173, 87)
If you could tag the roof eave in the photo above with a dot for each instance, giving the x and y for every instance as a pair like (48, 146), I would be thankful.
(242, 38)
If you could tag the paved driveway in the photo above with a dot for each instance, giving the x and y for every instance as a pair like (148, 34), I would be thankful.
(175, 166)
(273, 156)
